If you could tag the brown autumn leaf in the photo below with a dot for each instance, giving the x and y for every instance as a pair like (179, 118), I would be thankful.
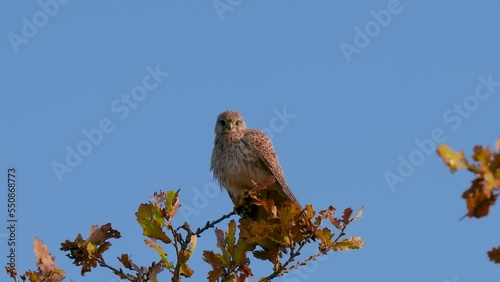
(494, 255)
(154, 270)
(126, 262)
(245, 271)
(99, 235)
(87, 253)
(47, 269)
(215, 260)
(328, 213)
(482, 155)
(346, 216)
(335, 222)
(494, 168)
(79, 254)
(242, 278)
(270, 180)
(478, 203)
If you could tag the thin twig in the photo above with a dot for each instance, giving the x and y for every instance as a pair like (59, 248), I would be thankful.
(213, 223)
(301, 263)
(184, 243)
(127, 276)
(283, 269)
(177, 272)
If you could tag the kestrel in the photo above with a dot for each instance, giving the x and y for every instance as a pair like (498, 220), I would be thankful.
(242, 157)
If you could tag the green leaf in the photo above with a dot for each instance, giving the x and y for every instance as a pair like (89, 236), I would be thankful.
(325, 236)
(221, 243)
(149, 217)
(172, 203)
(240, 252)
(230, 239)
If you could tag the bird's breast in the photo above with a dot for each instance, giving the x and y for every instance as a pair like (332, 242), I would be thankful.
(239, 166)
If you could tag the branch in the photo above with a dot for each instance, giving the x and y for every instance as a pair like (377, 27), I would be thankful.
(293, 254)
(177, 271)
(117, 272)
(12, 272)
(213, 223)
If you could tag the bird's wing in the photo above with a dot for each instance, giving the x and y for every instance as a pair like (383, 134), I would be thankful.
(260, 143)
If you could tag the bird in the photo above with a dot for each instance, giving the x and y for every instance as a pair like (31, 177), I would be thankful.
(242, 158)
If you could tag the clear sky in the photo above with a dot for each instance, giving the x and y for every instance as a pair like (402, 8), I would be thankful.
(356, 95)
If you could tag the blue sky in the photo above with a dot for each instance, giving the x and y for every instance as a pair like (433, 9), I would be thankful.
(356, 96)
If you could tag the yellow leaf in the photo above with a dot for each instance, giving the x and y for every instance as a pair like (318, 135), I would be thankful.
(451, 158)
(192, 245)
(152, 244)
(91, 248)
(186, 271)
(349, 244)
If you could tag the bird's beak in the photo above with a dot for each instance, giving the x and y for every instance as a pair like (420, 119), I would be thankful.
(230, 125)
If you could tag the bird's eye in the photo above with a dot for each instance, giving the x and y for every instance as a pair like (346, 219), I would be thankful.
(221, 122)
(238, 122)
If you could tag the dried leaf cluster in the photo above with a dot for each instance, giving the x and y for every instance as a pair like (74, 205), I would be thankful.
(47, 270)
(484, 189)
(267, 232)
(278, 235)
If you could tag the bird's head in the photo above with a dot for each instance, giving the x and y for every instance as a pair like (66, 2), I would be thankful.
(228, 122)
